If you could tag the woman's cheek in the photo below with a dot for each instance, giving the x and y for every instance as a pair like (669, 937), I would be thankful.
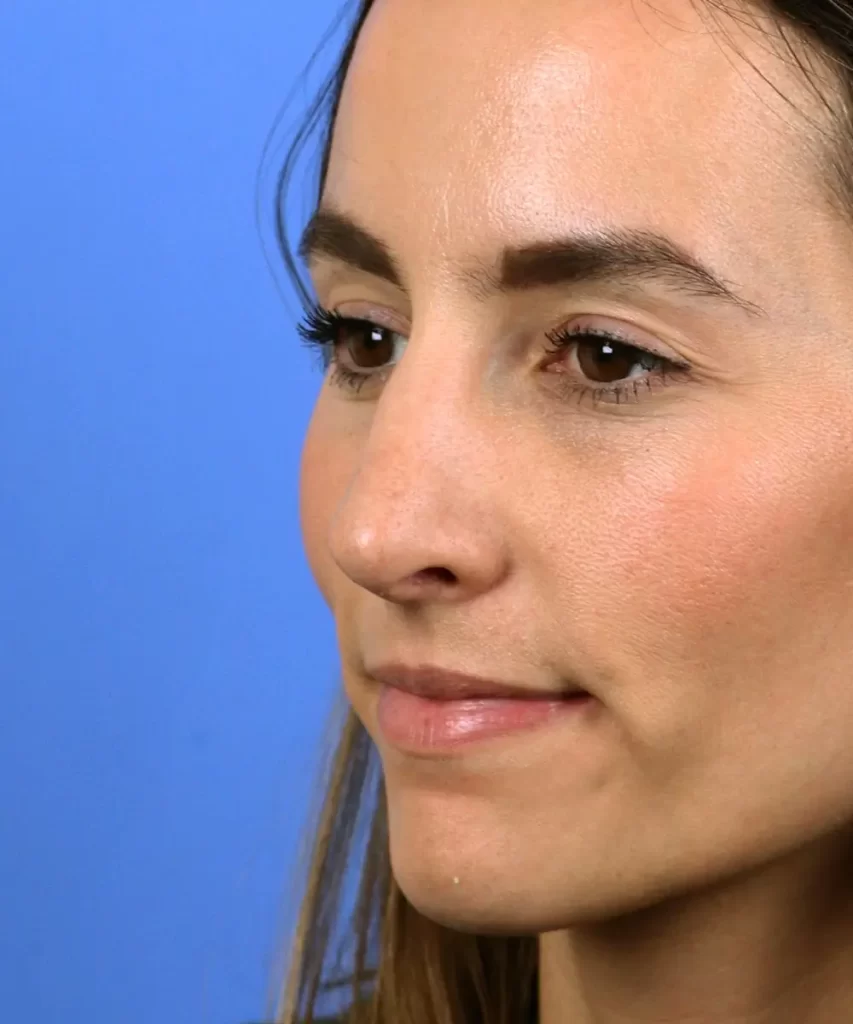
(737, 540)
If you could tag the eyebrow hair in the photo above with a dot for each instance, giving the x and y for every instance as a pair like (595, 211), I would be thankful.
(616, 256)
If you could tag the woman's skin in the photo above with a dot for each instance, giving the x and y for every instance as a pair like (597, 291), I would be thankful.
(685, 846)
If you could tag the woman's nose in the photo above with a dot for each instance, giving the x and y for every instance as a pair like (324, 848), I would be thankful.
(421, 518)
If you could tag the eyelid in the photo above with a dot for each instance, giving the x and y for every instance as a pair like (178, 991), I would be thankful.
(630, 333)
(354, 310)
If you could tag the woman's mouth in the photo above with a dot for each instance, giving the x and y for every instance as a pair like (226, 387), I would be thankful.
(415, 723)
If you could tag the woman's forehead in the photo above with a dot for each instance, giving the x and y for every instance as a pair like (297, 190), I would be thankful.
(474, 76)
(467, 124)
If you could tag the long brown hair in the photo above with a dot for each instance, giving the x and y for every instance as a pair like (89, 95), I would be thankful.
(402, 968)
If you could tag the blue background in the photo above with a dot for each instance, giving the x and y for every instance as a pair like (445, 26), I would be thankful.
(167, 663)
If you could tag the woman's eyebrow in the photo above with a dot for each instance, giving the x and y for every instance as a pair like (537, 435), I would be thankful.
(626, 256)
(338, 236)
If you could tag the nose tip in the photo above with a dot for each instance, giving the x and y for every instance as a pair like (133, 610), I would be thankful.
(388, 562)
(417, 559)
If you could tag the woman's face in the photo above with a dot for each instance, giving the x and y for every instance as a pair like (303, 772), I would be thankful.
(682, 548)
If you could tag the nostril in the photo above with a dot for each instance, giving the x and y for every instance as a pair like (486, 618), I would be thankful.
(425, 584)
(436, 574)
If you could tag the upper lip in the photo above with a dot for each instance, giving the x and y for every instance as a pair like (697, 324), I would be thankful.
(446, 684)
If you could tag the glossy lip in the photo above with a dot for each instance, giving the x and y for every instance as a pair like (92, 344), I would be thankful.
(436, 683)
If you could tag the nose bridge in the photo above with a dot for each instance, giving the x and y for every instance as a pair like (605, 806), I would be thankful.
(419, 495)
(429, 423)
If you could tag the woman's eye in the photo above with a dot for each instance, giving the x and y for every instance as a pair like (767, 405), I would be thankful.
(599, 364)
(358, 350)
(591, 362)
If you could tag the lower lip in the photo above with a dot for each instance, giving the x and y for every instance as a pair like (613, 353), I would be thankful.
(420, 723)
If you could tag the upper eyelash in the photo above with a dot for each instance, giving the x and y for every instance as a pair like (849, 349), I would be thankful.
(319, 325)
(317, 329)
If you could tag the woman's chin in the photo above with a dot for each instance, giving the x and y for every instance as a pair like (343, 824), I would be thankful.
(485, 900)
(468, 912)
(471, 890)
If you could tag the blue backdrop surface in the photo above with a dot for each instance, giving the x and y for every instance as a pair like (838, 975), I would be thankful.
(166, 661)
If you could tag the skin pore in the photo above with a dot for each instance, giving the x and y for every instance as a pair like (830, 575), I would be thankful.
(685, 553)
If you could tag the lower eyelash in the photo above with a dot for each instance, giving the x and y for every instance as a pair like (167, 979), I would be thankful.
(354, 381)
(319, 328)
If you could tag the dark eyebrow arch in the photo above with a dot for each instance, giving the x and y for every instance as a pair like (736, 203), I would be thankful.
(623, 256)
